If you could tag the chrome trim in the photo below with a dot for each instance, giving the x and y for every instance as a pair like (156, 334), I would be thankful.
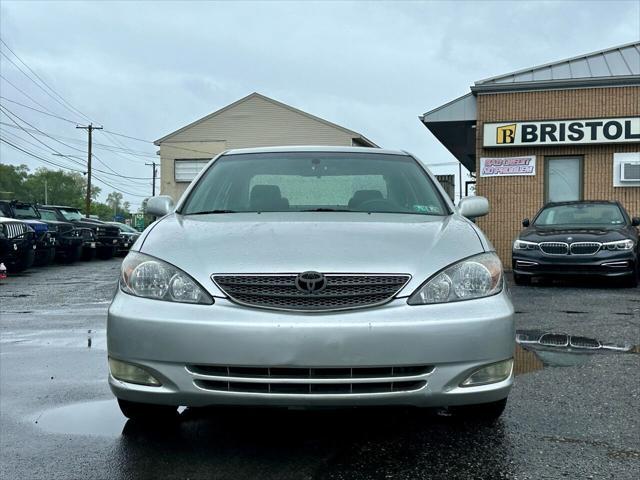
(525, 263)
(324, 396)
(596, 244)
(554, 244)
(622, 264)
(280, 309)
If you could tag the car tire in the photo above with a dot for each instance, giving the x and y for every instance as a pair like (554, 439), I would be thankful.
(147, 412)
(46, 258)
(632, 280)
(74, 254)
(481, 413)
(88, 254)
(521, 280)
(106, 253)
(24, 262)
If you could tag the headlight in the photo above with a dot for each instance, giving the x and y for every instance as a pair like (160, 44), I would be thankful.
(524, 245)
(475, 277)
(148, 277)
(618, 245)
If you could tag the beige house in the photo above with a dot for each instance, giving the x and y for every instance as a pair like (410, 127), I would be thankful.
(252, 121)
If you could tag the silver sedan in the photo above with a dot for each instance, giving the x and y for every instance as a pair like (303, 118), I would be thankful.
(312, 276)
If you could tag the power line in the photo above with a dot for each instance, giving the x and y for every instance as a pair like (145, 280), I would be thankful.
(36, 110)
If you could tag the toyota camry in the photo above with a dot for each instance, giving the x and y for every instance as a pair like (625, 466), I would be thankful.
(312, 276)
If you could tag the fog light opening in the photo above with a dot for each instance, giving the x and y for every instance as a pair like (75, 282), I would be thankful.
(129, 373)
(493, 373)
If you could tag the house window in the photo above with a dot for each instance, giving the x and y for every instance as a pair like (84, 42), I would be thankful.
(563, 179)
(186, 169)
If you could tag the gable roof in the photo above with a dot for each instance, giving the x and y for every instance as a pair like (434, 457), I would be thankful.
(613, 65)
(355, 135)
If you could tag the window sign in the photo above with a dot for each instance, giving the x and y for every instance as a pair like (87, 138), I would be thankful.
(508, 167)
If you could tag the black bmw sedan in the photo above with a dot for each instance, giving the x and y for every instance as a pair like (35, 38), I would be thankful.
(596, 238)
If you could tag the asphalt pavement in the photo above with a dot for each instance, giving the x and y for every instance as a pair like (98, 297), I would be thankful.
(573, 413)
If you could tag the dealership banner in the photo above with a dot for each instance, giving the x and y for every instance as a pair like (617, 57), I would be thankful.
(507, 167)
(562, 132)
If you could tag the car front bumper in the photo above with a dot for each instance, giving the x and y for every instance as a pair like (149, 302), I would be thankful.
(167, 338)
(603, 263)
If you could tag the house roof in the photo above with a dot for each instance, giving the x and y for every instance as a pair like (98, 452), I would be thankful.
(615, 65)
(355, 135)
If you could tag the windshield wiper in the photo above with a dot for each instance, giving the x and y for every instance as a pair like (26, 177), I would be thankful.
(322, 209)
(207, 212)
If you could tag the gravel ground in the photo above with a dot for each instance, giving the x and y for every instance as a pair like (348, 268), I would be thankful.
(58, 419)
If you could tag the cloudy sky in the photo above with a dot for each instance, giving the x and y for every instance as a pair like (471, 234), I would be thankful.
(144, 69)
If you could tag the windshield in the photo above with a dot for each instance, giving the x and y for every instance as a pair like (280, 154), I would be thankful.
(125, 228)
(25, 211)
(71, 213)
(48, 215)
(588, 214)
(315, 181)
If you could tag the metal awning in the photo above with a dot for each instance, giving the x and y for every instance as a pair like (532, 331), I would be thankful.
(454, 125)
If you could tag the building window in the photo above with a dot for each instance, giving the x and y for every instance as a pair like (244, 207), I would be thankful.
(186, 169)
(563, 179)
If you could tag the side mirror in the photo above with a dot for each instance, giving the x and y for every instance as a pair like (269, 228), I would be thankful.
(159, 206)
(472, 207)
(526, 222)
(635, 221)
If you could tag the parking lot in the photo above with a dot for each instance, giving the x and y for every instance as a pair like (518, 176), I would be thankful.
(573, 413)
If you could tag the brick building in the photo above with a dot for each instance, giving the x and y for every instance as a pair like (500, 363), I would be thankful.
(567, 130)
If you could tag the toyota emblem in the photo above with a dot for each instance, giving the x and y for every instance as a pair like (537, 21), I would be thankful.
(311, 282)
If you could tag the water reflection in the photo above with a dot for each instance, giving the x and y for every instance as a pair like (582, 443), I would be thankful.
(536, 349)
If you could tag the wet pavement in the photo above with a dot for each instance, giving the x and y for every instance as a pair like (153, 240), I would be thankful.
(574, 411)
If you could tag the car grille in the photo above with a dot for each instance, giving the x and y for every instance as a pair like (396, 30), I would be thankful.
(554, 248)
(15, 229)
(585, 248)
(310, 381)
(279, 292)
(554, 340)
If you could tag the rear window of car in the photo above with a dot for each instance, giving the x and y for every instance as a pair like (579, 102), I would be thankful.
(48, 215)
(581, 214)
(304, 181)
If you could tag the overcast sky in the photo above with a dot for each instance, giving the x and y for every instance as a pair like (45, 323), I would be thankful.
(145, 69)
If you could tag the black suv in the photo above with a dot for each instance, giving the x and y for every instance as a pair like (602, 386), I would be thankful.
(17, 244)
(46, 236)
(106, 237)
(70, 238)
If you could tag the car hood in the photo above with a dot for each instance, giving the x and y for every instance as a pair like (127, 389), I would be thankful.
(591, 234)
(328, 242)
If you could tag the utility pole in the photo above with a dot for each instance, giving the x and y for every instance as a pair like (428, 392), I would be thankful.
(153, 188)
(89, 128)
(46, 198)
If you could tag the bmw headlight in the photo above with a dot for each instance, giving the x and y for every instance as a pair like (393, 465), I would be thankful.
(148, 277)
(475, 277)
(524, 245)
(618, 245)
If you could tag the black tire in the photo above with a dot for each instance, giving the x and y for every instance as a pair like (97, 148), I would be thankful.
(521, 280)
(481, 413)
(24, 262)
(45, 258)
(147, 412)
(106, 253)
(632, 280)
(73, 254)
(88, 254)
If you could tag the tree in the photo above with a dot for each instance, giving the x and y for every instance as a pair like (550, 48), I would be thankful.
(102, 210)
(12, 179)
(114, 200)
(62, 188)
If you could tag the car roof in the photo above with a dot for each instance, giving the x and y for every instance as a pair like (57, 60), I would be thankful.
(58, 206)
(314, 148)
(581, 202)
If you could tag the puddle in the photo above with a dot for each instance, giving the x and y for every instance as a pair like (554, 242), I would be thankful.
(536, 350)
(102, 418)
(92, 338)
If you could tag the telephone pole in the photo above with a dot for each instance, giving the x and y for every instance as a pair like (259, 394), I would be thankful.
(89, 128)
(153, 188)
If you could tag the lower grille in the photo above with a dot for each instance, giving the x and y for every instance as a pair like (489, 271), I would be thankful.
(554, 248)
(310, 381)
(585, 248)
(279, 291)
(310, 388)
